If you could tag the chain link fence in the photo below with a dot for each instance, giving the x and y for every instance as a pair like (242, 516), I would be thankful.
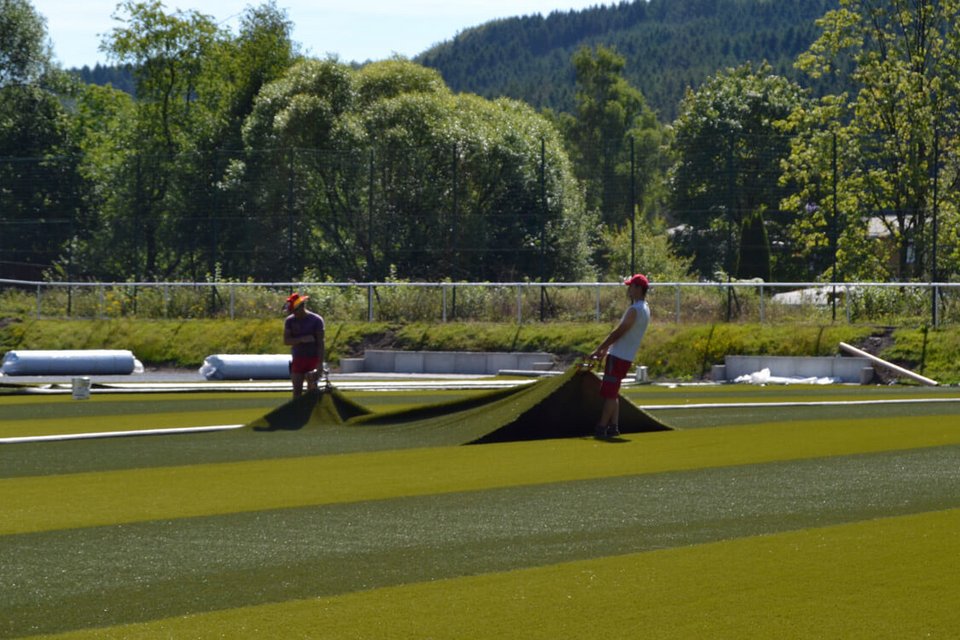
(893, 304)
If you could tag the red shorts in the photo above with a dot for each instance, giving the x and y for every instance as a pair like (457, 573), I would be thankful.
(302, 365)
(614, 371)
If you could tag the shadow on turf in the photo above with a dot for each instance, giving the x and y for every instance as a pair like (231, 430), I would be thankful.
(564, 406)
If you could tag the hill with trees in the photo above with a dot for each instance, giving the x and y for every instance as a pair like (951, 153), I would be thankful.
(690, 147)
(668, 45)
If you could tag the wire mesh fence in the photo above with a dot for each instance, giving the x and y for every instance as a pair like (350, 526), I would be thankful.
(891, 304)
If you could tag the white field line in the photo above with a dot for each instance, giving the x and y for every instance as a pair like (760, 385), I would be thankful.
(119, 434)
(797, 403)
(357, 385)
(645, 407)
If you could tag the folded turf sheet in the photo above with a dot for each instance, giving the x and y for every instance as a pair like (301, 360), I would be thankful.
(558, 407)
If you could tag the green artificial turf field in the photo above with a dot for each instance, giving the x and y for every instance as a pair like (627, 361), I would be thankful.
(836, 521)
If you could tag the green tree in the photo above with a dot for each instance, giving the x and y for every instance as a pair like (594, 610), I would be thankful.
(25, 56)
(724, 182)
(608, 112)
(167, 53)
(101, 120)
(171, 208)
(40, 194)
(385, 171)
(895, 135)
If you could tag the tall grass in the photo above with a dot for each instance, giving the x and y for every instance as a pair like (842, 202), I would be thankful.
(400, 301)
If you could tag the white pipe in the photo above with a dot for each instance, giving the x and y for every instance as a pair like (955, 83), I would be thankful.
(888, 365)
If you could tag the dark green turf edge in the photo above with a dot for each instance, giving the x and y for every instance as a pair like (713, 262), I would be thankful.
(49, 458)
(735, 416)
(62, 580)
(61, 408)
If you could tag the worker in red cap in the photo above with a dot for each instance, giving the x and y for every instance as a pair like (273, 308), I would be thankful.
(303, 331)
(620, 348)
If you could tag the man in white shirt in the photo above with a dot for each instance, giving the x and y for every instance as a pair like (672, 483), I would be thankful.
(620, 348)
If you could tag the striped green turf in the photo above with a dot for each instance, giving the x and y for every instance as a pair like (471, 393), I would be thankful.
(152, 569)
(318, 533)
(55, 415)
(132, 495)
(739, 415)
(890, 578)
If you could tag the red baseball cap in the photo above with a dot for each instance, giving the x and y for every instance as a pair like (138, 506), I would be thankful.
(294, 301)
(638, 279)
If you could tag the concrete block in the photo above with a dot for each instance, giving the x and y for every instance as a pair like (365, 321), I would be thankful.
(459, 362)
(409, 362)
(351, 365)
(842, 369)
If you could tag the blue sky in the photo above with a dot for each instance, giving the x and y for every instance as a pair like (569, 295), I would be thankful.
(355, 30)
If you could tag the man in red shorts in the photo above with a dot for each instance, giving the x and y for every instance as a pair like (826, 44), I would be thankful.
(304, 331)
(620, 348)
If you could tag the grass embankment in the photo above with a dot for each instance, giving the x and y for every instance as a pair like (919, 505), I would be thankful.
(671, 351)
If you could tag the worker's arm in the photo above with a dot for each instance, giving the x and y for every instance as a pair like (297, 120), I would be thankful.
(629, 318)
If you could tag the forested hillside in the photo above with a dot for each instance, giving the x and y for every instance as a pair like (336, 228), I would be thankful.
(668, 45)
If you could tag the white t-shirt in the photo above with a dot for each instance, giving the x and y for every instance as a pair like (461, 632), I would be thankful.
(626, 347)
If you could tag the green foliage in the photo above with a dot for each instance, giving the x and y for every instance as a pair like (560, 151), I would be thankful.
(154, 165)
(669, 46)
(674, 351)
(412, 179)
(725, 177)
(644, 248)
(899, 60)
(608, 112)
(929, 352)
(25, 55)
(670, 351)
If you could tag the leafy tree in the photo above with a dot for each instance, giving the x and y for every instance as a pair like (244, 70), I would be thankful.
(167, 53)
(608, 111)
(724, 183)
(25, 56)
(195, 86)
(385, 171)
(894, 135)
(40, 192)
(652, 253)
(668, 45)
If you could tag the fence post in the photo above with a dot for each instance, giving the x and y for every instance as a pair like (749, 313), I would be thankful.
(232, 299)
(38, 301)
(597, 314)
(761, 303)
(678, 304)
(936, 309)
(519, 304)
(443, 297)
(369, 303)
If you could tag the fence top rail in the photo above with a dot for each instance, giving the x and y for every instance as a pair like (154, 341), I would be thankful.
(653, 285)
